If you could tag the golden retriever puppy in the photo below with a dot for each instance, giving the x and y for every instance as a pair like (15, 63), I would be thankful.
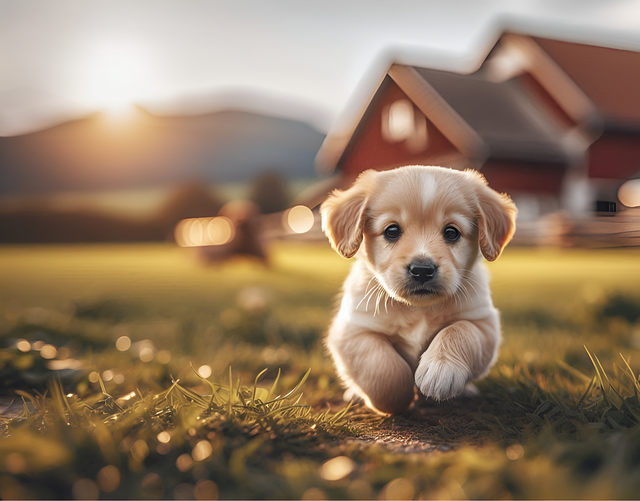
(416, 307)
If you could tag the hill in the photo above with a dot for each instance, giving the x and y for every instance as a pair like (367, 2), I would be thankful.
(101, 152)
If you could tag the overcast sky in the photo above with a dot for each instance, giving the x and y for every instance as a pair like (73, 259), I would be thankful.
(65, 58)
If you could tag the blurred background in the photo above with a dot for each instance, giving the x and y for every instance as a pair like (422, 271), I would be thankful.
(118, 121)
(161, 168)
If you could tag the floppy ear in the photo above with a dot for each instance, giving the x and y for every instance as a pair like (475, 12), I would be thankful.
(343, 218)
(496, 220)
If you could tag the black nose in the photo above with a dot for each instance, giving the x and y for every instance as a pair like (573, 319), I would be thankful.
(423, 271)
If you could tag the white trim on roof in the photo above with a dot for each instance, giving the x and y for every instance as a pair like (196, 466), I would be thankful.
(438, 111)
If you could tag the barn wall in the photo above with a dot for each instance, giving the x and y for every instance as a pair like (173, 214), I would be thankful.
(615, 156)
(369, 150)
(522, 177)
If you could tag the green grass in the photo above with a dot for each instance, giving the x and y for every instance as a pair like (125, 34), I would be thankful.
(553, 420)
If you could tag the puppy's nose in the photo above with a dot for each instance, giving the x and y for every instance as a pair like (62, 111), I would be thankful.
(422, 271)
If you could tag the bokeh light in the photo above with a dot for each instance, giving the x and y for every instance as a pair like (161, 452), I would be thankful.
(219, 230)
(123, 343)
(204, 371)
(163, 437)
(300, 219)
(163, 449)
(85, 488)
(23, 345)
(184, 462)
(195, 232)
(629, 193)
(336, 468)
(515, 451)
(146, 354)
(205, 489)
(152, 486)
(108, 478)
(139, 450)
(400, 488)
(201, 451)
(164, 356)
(313, 494)
(48, 351)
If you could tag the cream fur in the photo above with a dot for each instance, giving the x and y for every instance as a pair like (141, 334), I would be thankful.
(388, 336)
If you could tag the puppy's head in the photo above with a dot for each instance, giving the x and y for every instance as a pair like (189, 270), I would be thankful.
(420, 228)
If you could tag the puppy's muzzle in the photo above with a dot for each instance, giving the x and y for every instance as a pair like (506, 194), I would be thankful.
(422, 271)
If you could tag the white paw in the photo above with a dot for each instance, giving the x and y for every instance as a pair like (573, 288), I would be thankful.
(351, 394)
(441, 379)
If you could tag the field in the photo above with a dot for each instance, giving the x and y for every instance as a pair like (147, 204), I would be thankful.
(134, 371)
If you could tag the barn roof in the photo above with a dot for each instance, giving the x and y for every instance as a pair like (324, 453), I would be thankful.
(482, 117)
(504, 114)
(607, 75)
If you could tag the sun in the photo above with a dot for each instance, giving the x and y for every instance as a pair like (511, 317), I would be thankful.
(115, 78)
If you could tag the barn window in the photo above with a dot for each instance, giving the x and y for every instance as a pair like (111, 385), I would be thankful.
(402, 122)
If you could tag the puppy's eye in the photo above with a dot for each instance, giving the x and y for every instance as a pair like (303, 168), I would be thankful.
(451, 234)
(392, 232)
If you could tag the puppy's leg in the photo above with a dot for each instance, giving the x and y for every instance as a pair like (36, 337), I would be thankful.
(458, 354)
(372, 368)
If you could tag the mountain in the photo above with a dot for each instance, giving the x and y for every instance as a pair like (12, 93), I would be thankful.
(101, 152)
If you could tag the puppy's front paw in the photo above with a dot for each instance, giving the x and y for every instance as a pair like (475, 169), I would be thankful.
(351, 394)
(440, 378)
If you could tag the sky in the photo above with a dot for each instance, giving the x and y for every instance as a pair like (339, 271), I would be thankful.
(299, 59)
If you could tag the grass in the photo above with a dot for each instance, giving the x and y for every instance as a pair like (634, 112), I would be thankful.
(553, 420)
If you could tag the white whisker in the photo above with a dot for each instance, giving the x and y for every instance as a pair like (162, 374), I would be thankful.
(367, 292)
(371, 295)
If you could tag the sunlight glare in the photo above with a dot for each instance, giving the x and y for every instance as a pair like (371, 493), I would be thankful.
(115, 77)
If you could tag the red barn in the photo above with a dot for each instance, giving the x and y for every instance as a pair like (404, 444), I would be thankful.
(556, 120)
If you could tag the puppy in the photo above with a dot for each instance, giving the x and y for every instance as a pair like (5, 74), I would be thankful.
(416, 307)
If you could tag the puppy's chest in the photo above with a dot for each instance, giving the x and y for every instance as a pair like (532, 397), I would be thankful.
(416, 328)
